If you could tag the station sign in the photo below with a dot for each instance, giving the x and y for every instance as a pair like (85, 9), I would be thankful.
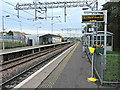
(92, 18)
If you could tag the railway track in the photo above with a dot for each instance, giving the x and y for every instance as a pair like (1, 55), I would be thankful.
(12, 63)
(12, 82)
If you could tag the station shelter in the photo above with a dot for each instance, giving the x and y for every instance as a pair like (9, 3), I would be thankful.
(49, 39)
(91, 37)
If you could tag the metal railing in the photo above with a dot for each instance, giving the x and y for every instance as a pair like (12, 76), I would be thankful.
(12, 41)
(109, 71)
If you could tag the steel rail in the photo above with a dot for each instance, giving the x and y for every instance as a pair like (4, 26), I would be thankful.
(30, 68)
(38, 54)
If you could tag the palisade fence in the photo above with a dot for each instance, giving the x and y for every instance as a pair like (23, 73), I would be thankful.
(108, 71)
(12, 41)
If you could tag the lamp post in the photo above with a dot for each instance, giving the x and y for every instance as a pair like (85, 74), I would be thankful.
(53, 24)
(38, 36)
(4, 29)
(21, 31)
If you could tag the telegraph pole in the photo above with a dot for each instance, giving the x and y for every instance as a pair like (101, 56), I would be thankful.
(4, 29)
(52, 20)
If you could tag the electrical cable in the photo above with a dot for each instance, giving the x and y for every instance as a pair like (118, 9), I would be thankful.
(23, 10)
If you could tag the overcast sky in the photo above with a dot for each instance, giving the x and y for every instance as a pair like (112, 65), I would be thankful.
(30, 26)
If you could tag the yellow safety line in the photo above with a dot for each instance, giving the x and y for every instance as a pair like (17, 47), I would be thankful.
(49, 82)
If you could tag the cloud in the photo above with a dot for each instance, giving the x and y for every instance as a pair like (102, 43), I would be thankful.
(0, 15)
(73, 18)
(34, 31)
(30, 1)
(21, 1)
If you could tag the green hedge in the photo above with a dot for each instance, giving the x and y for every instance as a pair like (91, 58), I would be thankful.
(99, 50)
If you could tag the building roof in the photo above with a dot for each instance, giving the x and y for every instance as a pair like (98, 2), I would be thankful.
(17, 32)
(100, 33)
(49, 35)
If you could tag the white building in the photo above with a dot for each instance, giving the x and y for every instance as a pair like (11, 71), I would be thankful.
(49, 39)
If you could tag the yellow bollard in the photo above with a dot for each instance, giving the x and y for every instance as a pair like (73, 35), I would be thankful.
(92, 50)
(91, 79)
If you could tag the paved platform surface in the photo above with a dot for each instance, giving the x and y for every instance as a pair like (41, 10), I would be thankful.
(73, 72)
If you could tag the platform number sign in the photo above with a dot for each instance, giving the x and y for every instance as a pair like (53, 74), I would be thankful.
(92, 18)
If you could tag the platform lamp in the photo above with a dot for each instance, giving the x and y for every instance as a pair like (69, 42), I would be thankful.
(4, 29)
(38, 36)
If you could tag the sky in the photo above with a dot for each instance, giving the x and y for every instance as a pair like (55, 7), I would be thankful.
(26, 23)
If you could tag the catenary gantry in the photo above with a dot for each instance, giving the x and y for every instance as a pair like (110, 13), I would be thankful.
(58, 4)
(43, 6)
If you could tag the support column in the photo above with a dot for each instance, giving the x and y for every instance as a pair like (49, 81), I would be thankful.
(100, 40)
(32, 51)
(112, 43)
(105, 34)
(93, 38)
(39, 49)
(1, 58)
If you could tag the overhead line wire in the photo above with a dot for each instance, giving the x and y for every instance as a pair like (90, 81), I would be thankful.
(16, 15)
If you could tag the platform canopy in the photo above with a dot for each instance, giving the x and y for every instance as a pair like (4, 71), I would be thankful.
(99, 33)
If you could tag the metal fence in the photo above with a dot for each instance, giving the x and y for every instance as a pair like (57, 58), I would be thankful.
(12, 41)
(11, 37)
(109, 71)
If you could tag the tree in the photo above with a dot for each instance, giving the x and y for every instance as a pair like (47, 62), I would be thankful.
(10, 33)
(88, 26)
(113, 9)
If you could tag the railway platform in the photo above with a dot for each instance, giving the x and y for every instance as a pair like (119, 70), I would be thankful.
(6, 51)
(71, 73)
(8, 54)
(69, 70)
